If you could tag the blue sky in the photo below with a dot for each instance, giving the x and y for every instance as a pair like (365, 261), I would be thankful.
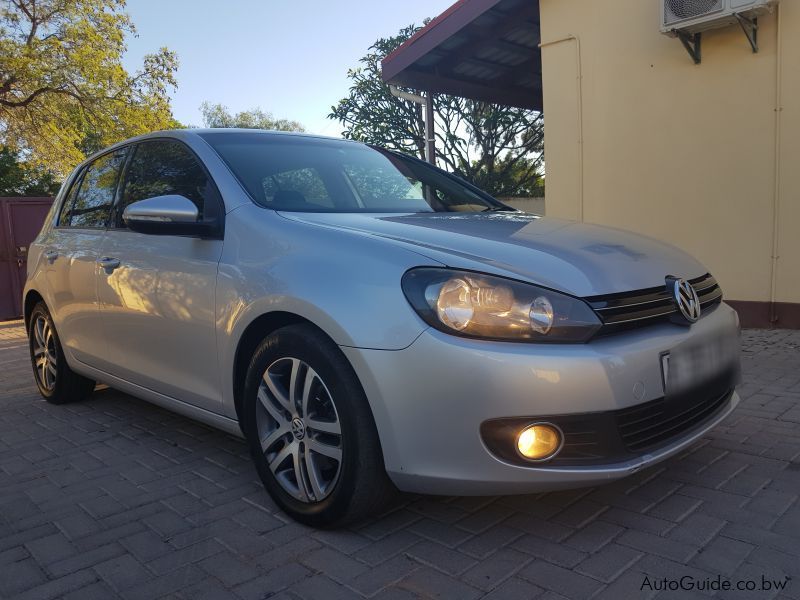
(287, 57)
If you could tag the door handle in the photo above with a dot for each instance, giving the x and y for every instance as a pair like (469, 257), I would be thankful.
(108, 263)
(51, 256)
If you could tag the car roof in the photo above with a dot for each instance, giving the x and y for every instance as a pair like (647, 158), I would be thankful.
(196, 132)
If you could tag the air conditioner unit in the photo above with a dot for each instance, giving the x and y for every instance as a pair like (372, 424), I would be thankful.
(696, 16)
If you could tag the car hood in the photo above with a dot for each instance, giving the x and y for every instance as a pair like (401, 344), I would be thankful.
(578, 258)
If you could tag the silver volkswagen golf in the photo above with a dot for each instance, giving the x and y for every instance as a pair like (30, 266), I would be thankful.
(368, 322)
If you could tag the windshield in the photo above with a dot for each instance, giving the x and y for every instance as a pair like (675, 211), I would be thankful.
(294, 173)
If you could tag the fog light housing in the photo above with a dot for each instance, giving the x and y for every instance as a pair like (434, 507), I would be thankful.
(539, 441)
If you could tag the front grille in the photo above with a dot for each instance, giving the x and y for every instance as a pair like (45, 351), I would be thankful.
(630, 310)
(652, 423)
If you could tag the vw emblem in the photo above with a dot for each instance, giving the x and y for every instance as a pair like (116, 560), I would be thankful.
(298, 429)
(686, 299)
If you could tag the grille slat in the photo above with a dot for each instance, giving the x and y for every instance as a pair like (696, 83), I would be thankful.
(640, 308)
(665, 421)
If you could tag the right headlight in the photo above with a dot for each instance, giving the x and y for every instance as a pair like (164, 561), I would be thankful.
(489, 307)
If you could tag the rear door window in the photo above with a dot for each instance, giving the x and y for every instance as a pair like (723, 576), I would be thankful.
(69, 199)
(91, 206)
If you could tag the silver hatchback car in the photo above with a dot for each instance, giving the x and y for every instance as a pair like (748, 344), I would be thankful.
(368, 322)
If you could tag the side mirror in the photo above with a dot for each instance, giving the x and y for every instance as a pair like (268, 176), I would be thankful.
(166, 215)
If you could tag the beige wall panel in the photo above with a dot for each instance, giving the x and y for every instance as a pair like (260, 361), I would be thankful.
(788, 280)
(560, 77)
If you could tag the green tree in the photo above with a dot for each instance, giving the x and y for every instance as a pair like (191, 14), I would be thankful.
(20, 179)
(217, 115)
(63, 89)
(498, 148)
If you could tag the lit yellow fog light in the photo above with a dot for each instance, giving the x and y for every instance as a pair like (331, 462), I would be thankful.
(540, 441)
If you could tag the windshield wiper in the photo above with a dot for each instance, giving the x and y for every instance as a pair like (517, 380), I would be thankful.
(499, 209)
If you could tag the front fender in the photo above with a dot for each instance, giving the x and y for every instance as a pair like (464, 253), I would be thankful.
(346, 283)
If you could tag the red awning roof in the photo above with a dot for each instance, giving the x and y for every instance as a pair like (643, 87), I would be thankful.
(480, 49)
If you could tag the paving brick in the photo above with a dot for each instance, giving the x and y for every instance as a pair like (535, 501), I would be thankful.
(609, 563)
(638, 521)
(427, 582)
(675, 508)
(208, 589)
(122, 572)
(184, 556)
(19, 576)
(495, 569)
(489, 541)
(559, 554)
(515, 588)
(542, 528)
(59, 587)
(276, 580)
(166, 584)
(594, 536)
(581, 513)
(628, 585)
(50, 549)
(94, 591)
(346, 542)
(440, 557)
(697, 530)
(320, 587)
(386, 548)
(228, 569)
(374, 580)
(659, 546)
(146, 545)
(440, 532)
(85, 560)
(560, 580)
(488, 516)
(334, 564)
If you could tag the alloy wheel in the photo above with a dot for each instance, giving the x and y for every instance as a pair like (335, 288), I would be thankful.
(299, 430)
(44, 352)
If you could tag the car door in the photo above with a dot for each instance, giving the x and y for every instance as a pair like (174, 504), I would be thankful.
(157, 292)
(72, 249)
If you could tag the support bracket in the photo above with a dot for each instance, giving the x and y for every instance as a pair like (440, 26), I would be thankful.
(750, 28)
(692, 43)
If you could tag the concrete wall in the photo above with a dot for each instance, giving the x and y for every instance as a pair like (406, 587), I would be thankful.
(531, 205)
(705, 156)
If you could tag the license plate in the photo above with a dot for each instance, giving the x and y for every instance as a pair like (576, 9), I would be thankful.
(698, 361)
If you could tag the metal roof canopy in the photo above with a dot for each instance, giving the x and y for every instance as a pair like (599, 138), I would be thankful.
(480, 49)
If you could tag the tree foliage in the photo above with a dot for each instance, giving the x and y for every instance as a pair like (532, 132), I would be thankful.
(63, 89)
(498, 148)
(20, 179)
(218, 115)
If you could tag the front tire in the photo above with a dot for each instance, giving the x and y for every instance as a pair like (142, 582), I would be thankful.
(310, 430)
(57, 383)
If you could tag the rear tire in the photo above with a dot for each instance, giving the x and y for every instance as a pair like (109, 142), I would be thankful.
(311, 432)
(57, 383)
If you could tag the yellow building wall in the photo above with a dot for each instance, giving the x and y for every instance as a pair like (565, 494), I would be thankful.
(638, 136)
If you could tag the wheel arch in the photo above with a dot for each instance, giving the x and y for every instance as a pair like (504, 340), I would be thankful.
(32, 298)
(258, 329)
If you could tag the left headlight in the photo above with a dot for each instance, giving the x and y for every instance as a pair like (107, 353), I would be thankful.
(489, 307)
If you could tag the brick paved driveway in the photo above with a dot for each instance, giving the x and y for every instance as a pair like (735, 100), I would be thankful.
(115, 497)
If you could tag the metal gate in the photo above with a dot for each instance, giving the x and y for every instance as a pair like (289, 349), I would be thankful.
(20, 222)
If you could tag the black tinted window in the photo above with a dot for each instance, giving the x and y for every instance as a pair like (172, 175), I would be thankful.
(69, 199)
(165, 167)
(91, 206)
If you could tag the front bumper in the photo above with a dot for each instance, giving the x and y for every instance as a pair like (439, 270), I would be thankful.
(430, 399)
